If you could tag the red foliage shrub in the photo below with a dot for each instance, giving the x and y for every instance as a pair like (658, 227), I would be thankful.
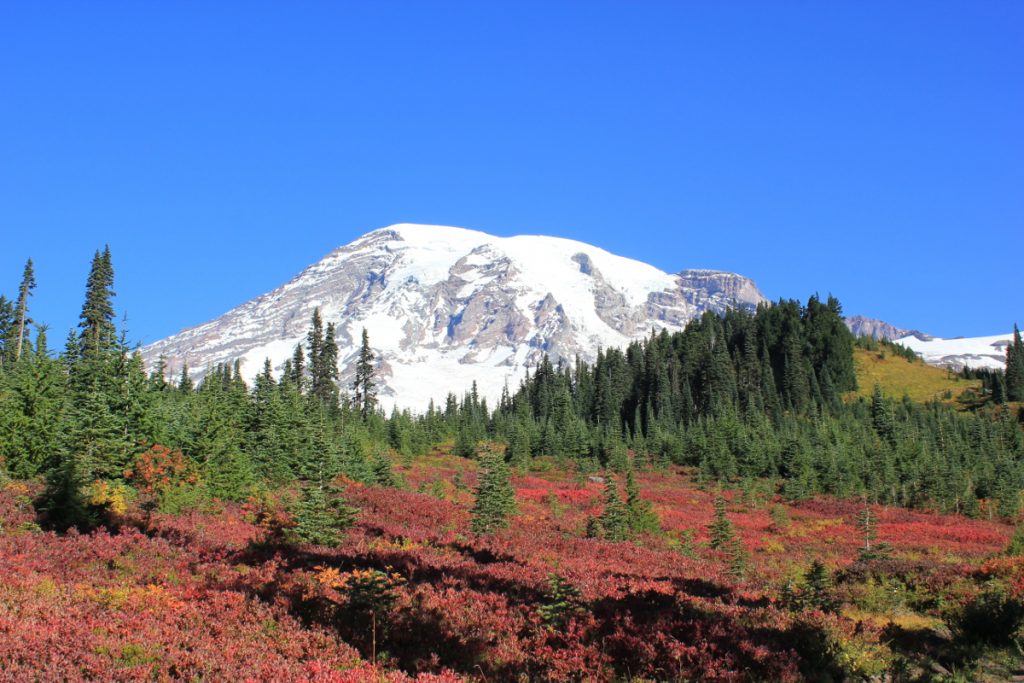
(218, 595)
(159, 468)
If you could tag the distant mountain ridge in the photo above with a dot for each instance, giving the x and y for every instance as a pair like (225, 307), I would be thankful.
(446, 307)
(879, 329)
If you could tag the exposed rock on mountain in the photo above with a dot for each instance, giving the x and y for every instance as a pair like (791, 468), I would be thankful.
(879, 329)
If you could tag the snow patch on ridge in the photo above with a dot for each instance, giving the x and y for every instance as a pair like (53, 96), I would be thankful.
(974, 352)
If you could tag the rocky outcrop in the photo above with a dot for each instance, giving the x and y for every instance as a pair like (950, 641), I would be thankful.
(879, 329)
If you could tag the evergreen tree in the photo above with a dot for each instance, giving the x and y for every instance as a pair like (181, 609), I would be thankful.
(642, 517)
(103, 419)
(881, 417)
(519, 442)
(469, 433)
(185, 384)
(737, 557)
(721, 529)
(8, 330)
(28, 283)
(1015, 368)
(96, 321)
(297, 369)
(326, 386)
(867, 524)
(315, 344)
(93, 432)
(63, 505)
(998, 385)
(495, 497)
(31, 411)
(220, 406)
(263, 438)
(354, 460)
(158, 376)
(364, 386)
(321, 517)
(613, 524)
(817, 585)
(562, 603)
(323, 362)
(383, 475)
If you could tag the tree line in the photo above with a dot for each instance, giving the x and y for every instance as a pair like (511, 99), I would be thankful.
(764, 395)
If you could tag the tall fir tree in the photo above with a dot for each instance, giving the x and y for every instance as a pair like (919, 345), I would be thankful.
(323, 363)
(297, 370)
(315, 343)
(7, 328)
(28, 283)
(1015, 368)
(185, 384)
(96, 321)
(365, 386)
(97, 428)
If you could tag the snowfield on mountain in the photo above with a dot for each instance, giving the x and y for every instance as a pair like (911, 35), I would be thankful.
(974, 352)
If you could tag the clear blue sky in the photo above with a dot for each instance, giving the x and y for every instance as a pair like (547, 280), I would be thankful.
(874, 150)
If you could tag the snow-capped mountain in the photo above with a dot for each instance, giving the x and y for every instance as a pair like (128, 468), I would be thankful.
(975, 352)
(445, 307)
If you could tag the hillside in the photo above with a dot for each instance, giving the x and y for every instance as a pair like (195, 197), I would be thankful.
(214, 593)
(898, 376)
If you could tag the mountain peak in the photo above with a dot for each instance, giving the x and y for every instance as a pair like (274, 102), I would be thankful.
(417, 232)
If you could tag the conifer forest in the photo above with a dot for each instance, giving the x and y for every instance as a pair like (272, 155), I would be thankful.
(726, 503)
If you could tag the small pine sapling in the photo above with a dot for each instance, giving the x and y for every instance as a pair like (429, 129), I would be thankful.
(1016, 545)
(817, 588)
(736, 553)
(372, 593)
(321, 519)
(780, 517)
(613, 523)
(561, 604)
(495, 497)
(867, 523)
(720, 529)
(642, 517)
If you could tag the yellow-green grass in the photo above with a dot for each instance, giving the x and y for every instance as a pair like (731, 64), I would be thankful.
(898, 376)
